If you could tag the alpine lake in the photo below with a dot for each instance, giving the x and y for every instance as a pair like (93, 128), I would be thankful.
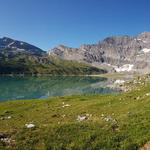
(31, 87)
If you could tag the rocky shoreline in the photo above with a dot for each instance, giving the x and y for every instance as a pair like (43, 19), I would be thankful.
(128, 85)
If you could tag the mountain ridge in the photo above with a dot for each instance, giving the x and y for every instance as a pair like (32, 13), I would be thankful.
(114, 53)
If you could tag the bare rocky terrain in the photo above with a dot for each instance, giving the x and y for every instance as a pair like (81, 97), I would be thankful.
(125, 54)
(116, 54)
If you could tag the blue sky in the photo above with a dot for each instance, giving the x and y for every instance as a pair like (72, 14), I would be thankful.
(47, 23)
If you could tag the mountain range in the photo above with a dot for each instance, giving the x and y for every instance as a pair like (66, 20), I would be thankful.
(17, 57)
(114, 54)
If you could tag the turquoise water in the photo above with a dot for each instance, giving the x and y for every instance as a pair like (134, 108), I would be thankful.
(16, 88)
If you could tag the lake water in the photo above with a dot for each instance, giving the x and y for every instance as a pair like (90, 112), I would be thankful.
(16, 88)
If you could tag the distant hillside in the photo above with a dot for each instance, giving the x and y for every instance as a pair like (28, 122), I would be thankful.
(45, 65)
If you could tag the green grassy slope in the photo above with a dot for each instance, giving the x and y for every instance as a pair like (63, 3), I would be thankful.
(45, 65)
(115, 122)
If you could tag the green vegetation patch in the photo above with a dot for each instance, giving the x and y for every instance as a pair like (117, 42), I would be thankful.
(45, 65)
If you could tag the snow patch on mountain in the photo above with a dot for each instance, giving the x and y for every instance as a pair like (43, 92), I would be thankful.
(126, 67)
(11, 44)
(144, 41)
(145, 50)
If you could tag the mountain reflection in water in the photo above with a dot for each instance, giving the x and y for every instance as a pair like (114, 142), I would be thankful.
(15, 88)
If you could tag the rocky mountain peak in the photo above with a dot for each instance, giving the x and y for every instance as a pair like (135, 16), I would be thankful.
(144, 35)
(114, 53)
(61, 47)
(7, 39)
(14, 47)
(115, 40)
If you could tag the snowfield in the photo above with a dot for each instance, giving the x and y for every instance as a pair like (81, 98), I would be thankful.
(145, 50)
(126, 67)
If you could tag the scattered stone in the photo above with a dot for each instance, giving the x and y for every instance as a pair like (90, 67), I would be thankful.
(64, 116)
(147, 94)
(109, 119)
(119, 82)
(3, 118)
(102, 115)
(30, 125)
(7, 140)
(81, 118)
(67, 105)
(87, 115)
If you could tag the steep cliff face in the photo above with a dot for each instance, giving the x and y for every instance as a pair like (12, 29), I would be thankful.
(116, 54)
